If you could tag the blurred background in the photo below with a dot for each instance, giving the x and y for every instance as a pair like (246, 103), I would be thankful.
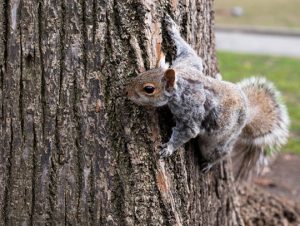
(255, 38)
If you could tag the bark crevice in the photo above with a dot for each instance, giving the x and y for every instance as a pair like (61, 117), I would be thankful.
(33, 177)
(43, 79)
(7, 191)
(21, 86)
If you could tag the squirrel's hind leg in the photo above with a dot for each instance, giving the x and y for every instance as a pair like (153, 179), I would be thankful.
(215, 154)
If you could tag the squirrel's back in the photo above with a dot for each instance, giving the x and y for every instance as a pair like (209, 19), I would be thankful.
(267, 122)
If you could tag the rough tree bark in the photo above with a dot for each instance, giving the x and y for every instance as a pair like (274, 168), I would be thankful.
(73, 149)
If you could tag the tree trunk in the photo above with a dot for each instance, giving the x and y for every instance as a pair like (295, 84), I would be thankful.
(74, 150)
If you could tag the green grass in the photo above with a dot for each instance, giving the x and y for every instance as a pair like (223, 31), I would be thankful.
(283, 13)
(283, 72)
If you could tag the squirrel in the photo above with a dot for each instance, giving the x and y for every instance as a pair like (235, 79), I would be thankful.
(222, 116)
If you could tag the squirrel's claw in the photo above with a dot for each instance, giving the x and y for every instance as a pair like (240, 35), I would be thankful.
(206, 166)
(165, 151)
(169, 20)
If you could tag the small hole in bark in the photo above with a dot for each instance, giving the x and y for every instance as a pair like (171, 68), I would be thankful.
(28, 59)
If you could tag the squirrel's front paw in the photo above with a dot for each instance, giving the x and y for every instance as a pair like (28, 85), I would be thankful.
(166, 150)
(171, 25)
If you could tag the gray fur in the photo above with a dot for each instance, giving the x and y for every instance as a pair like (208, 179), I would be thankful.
(196, 107)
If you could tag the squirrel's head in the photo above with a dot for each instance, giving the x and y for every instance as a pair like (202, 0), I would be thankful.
(153, 87)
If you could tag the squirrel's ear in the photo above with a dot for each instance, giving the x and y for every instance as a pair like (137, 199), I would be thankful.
(170, 78)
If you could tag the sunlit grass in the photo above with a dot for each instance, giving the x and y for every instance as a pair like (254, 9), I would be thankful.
(283, 72)
(274, 13)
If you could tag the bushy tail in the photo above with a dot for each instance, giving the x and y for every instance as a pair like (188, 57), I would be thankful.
(267, 124)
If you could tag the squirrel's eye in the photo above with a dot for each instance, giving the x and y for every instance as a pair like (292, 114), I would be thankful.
(149, 89)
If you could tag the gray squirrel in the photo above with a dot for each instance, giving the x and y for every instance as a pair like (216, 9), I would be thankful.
(247, 116)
